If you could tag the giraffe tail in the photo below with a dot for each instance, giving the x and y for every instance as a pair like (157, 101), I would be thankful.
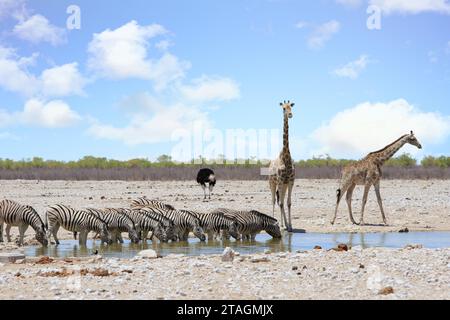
(338, 194)
(278, 197)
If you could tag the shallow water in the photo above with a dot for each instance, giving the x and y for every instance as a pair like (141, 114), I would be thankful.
(289, 242)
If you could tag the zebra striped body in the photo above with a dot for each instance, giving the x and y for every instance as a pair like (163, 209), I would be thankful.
(81, 221)
(250, 223)
(22, 216)
(146, 221)
(117, 223)
(144, 202)
(184, 222)
(215, 222)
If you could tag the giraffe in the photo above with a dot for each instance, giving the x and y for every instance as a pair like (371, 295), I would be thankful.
(282, 171)
(367, 172)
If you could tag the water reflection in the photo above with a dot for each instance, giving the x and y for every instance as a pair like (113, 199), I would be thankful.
(289, 242)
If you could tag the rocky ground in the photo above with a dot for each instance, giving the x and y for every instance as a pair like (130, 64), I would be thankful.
(374, 273)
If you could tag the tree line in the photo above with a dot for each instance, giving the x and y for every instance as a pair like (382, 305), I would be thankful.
(91, 162)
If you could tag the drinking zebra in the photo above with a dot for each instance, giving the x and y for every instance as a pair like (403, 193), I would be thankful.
(140, 202)
(215, 222)
(22, 216)
(184, 222)
(81, 221)
(117, 223)
(146, 220)
(250, 223)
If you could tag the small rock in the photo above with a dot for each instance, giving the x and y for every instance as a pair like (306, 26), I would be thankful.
(386, 290)
(259, 259)
(267, 251)
(148, 254)
(294, 268)
(317, 248)
(11, 257)
(405, 230)
(228, 255)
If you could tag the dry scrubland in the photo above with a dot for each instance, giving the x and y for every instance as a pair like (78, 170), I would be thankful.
(316, 274)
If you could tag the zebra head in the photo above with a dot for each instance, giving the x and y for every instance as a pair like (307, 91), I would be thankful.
(133, 235)
(41, 236)
(198, 232)
(170, 231)
(160, 232)
(105, 235)
(233, 230)
(273, 230)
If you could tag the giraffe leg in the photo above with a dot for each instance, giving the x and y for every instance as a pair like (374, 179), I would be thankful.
(349, 202)
(282, 188)
(340, 193)
(290, 187)
(380, 203)
(273, 190)
(364, 201)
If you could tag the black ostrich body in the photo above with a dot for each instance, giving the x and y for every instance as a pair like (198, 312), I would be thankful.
(206, 176)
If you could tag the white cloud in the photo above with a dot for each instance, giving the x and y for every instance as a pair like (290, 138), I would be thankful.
(159, 127)
(62, 80)
(211, 88)
(323, 33)
(371, 126)
(53, 82)
(51, 114)
(14, 75)
(14, 8)
(352, 69)
(412, 6)
(350, 3)
(37, 28)
(123, 53)
(301, 24)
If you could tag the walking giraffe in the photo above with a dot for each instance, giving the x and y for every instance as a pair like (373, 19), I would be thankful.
(367, 172)
(282, 171)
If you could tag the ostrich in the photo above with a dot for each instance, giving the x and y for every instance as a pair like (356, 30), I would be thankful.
(204, 176)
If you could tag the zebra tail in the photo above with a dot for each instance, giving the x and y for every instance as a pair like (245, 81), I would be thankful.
(338, 194)
(278, 197)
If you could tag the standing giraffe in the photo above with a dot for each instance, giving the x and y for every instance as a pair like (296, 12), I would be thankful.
(367, 172)
(282, 171)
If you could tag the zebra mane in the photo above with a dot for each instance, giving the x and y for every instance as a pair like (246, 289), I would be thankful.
(88, 210)
(263, 215)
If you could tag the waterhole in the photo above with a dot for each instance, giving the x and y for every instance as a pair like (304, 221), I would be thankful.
(289, 242)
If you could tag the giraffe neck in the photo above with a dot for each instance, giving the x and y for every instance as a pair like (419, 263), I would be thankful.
(285, 153)
(387, 153)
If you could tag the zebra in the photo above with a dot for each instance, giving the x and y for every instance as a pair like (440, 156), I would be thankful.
(184, 222)
(215, 222)
(147, 220)
(250, 223)
(117, 223)
(140, 202)
(22, 216)
(73, 220)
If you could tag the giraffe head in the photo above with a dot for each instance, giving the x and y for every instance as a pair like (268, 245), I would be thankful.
(287, 108)
(411, 139)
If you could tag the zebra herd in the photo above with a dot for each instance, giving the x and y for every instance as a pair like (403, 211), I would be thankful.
(144, 216)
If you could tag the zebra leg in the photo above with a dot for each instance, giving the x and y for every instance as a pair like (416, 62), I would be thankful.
(1, 231)
(53, 230)
(82, 238)
(8, 232)
(22, 228)
(119, 237)
(144, 235)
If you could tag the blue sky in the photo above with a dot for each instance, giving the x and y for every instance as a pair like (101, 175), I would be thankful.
(138, 72)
